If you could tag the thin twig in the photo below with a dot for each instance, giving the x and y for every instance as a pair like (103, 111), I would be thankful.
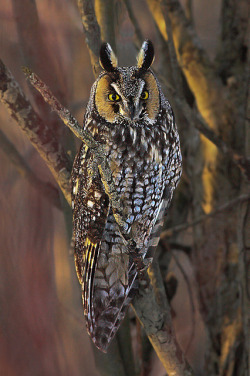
(46, 189)
(169, 232)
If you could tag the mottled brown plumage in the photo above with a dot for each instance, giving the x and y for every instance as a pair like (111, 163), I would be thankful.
(128, 113)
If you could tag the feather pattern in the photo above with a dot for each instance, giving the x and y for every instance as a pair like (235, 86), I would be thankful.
(143, 151)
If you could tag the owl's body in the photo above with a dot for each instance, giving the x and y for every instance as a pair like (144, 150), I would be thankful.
(129, 115)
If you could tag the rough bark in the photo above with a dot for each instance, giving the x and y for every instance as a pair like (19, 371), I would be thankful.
(105, 14)
(40, 135)
(216, 255)
(92, 32)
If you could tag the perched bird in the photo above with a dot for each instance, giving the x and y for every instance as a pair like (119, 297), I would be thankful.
(129, 115)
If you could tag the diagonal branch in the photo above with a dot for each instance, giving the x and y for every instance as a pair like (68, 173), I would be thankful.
(194, 62)
(158, 324)
(86, 137)
(229, 205)
(40, 135)
(46, 189)
(193, 117)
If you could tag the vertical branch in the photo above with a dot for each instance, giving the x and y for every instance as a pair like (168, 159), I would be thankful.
(92, 33)
(232, 49)
(171, 47)
(105, 14)
(137, 30)
(188, 4)
(158, 325)
(244, 238)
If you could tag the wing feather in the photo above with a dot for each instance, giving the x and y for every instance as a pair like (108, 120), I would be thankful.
(90, 206)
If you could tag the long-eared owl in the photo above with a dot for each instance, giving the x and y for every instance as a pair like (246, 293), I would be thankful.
(129, 115)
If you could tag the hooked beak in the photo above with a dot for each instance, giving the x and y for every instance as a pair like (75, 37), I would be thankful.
(130, 111)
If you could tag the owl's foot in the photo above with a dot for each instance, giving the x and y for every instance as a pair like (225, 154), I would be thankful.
(141, 264)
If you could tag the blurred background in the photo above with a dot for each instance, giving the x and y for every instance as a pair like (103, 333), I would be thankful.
(42, 329)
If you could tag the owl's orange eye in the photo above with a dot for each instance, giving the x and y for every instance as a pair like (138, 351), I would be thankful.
(114, 97)
(144, 95)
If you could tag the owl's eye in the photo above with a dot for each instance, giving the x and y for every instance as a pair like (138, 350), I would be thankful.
(114, 97)
(144, 95)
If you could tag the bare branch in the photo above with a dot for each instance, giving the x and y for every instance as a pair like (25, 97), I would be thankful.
(210, 95)
(86, 137)
(232, 48)
(158, 325)
(40, 135)
(229, 205)
(194, 62)
(138, 33)
(92, 33)
(173, 58)
(46, 189)
(105, 14)
(194, 118)
(188, 5)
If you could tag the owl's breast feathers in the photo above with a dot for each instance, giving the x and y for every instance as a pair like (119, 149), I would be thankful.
(145, 160)
(146, 165)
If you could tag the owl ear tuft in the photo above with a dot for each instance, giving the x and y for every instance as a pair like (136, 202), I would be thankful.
(146, 55)
(108, 60)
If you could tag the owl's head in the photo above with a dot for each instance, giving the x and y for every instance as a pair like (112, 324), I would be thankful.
(129, 94)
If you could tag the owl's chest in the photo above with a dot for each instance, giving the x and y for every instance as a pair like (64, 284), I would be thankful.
(138, 168)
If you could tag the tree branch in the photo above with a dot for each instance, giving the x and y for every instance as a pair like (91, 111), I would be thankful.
(40, 135)
(194, 118)
(201, 77)
(210, 95)
(137, 30)
(172, 54)
(158, 324)
(231, 52)
(86, 137)
(46, 189)
(188, 6)
(105, 14)
(92, 33)
(229, 205)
